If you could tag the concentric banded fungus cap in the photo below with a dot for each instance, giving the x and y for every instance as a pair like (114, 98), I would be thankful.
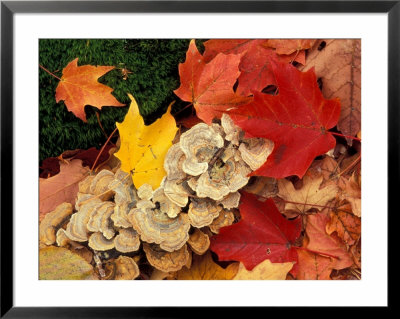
(145, 192)
(222, 179)
(225, 218)
(120, 215)
(52, 221)
(154, 226)
(100, 220)
(84, 186)
(61, 239)
(199, 144)
(99, 185)
(98, 242)
(166, 261)
(127, 240)
(76, 228)
(173, 163)
(126, 268)
(202, 212)
(165, 205)
(199, 242)
(82, 198)
(232, 131)
(176, 193)
(230, 201)
(123, 187)
(255, 151)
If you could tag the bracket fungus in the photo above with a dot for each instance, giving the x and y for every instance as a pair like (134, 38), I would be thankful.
(127, 240)
(99, 185)
(230, 201)
(123, 188)
(176, 193)
(120, 215)
(255, 151)
(166, 261)
(126, 268)
(145, 192)
(232, 131)
(165, 205)
(199, 144)
(173, 163)
(225, 218)
(98, 242)
(202, 212)
(199, 242)
(52, 221)
(155, 226)
(100, 220)
(76, 228)
(222, 179)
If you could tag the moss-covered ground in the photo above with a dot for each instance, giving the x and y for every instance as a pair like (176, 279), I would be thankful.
(154, 67)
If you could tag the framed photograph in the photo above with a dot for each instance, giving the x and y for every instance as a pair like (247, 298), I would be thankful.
(183, 143)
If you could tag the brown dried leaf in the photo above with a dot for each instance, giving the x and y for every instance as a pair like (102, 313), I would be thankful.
(339, 66)
(61, 187)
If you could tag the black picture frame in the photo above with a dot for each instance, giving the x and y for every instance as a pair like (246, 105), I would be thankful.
(9, 8)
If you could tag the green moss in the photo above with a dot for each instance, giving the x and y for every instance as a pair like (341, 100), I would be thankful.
(154, 67)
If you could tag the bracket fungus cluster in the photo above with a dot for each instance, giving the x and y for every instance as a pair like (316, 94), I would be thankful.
(160, 227)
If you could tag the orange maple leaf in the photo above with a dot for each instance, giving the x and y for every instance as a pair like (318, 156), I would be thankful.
(79, 87)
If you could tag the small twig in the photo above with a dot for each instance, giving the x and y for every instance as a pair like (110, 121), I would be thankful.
(349, 167)
(101, 126)
(346, 136)
(182, 109)
(102, 149)
(49, 72)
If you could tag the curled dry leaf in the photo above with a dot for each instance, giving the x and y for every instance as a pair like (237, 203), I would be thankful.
(264, 271)
(346, 225)
(338, 64)
(310, 196)
(62, 187)
(204, 268)
(326, 244)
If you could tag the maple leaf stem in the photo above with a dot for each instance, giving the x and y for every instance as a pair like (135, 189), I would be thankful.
(349, 167)
(316, 252)
(182, 109)
(101, 126)
(346, 136)
(102, 149)
(49, 72)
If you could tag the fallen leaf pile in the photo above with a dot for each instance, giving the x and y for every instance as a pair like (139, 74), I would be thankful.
(259, 186)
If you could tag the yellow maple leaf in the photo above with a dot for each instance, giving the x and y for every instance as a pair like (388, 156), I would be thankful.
(204, 268)
(264, 271)
(143, 148)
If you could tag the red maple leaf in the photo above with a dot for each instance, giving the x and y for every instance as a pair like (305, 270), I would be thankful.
(209, 86)
(297, 120)
(254, 65)
(262, 233)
